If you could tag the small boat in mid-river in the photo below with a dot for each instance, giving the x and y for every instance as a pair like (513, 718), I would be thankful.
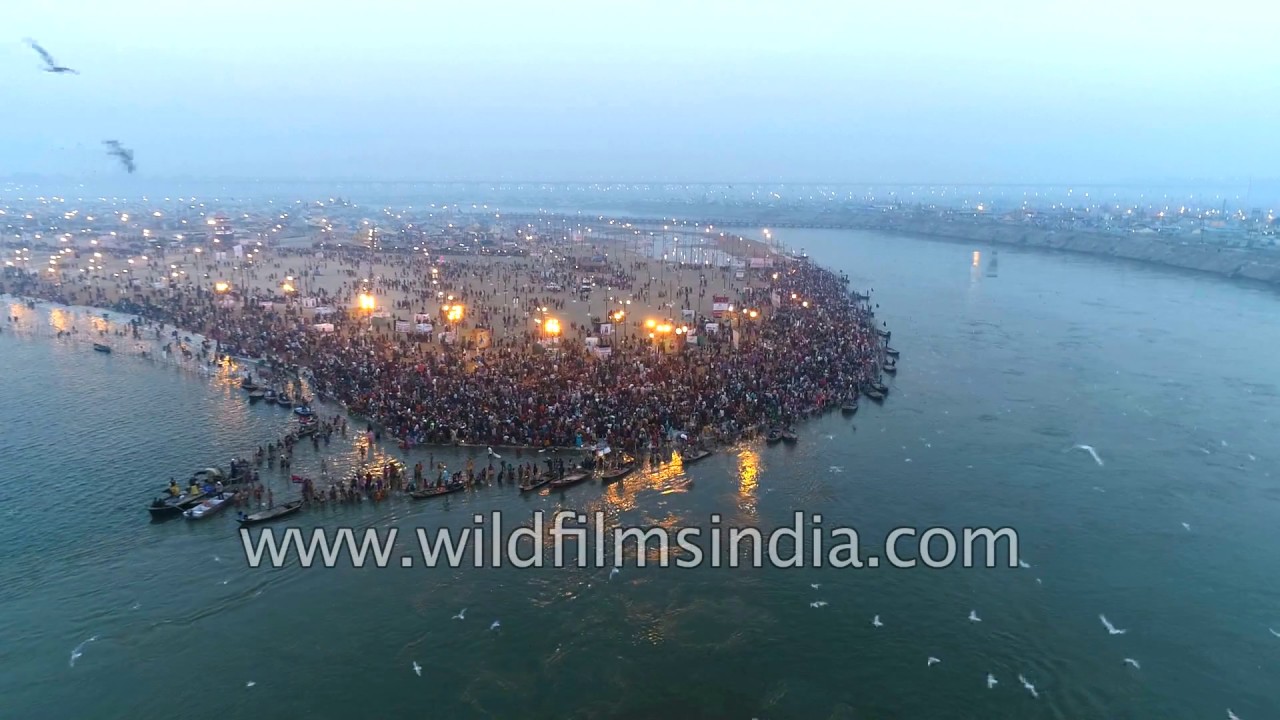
(571, 479)
(693, 456)
(210, 506)
(102, 348)
(256, 395)
(536, 484)
(274, 513)
(615, 474)
(163, 507)
(437, 491)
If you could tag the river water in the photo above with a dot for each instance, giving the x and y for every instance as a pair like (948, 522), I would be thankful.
(1170, 377)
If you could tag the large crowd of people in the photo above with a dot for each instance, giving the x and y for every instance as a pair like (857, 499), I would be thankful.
(808, 346)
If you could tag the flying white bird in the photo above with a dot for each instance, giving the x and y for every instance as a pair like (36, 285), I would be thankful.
(835, 469)
(495, 625)
(493, 454)
(1251, 457)
(1134, 663)
(1111, 628)
(251, 683)
(815, 586)
(1273, 632)
(1186, 527)
(973, 616)
(818, 604)
(1231, 715)
(417, 668)
(1024, 564)
(462, 614)
(50, 65)
(1030, 688)
(1089, 449)
(875, 621)
(613, 572)
(991, 681)
(931, 661)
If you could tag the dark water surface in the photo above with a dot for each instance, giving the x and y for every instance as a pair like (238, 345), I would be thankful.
(1171, 377)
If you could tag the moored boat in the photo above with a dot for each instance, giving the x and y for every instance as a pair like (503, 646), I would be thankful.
(303, 411)
(274, 513)
(891, 352)
(774, 436)
(874, 394)
(693, 456)
(615, 474)
(880, 388)
(283, 399)
(889, 367)
(256, 395)
(269, 395)
(437, 491)
(571, 479)
(102, 348)
(535, 485)
(163, 507)
(789, 435)
(883, 333)
(850, 407)
(209, 507)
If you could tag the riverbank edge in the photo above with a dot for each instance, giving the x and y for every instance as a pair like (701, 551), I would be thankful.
(1253, 265)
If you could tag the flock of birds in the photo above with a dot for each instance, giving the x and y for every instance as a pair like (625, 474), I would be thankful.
(114, 148)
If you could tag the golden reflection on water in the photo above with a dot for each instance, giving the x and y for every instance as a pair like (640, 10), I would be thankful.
(60, 319)
(748, 481)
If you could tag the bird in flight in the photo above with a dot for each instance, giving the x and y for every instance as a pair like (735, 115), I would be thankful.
(50, 65)
(123, 153)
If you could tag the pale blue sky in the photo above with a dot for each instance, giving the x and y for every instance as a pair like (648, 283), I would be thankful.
(694, 90)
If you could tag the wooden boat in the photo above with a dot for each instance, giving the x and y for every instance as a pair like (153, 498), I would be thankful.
(535, 485)
(437, 491)
(861, 296)
(247, 383)
(616, 474)
(880, 388)
(283, 399)
(693, 456)
(850, 407)
(570, 479)
(303, 411)
(789, 435)
(256, 395)
(209, 507)
(891, 352)
(307, 430)
(874, 394)
(883, 333)
(269, 395)
(102, 348)
(774, 436)
(274, 513)
(173, 506)
(889, 368)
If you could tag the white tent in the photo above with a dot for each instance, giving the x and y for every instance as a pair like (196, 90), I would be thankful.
(323, 327)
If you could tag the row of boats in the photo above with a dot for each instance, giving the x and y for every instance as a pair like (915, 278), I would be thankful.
(206, 502)
(257, 393)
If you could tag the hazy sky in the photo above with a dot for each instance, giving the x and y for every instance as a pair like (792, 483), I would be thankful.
(696, 90)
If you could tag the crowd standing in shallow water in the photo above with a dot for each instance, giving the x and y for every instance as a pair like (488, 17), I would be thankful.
(805, 346)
